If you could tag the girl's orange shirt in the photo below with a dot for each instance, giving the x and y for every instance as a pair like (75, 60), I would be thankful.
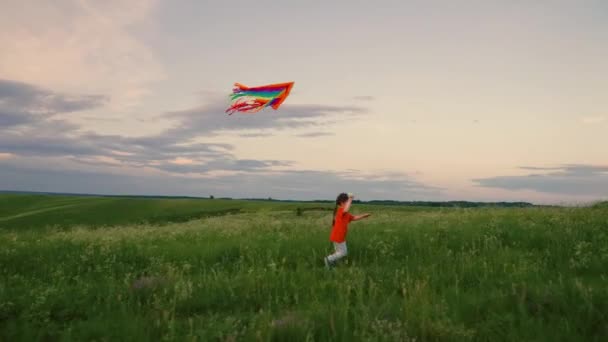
(340, 228)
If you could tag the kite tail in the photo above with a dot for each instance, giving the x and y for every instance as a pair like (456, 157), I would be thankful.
(247, 105)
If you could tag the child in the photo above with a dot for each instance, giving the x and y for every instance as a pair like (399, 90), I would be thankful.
(340, 227)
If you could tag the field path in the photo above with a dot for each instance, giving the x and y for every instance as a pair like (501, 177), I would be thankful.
(37, 211)
(47, 209)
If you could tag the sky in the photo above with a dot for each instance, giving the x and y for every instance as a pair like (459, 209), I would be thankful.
(402, 100)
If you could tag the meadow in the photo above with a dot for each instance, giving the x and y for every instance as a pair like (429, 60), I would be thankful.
(132, 269)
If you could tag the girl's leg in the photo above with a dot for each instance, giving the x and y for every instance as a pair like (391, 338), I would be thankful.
(341, 252)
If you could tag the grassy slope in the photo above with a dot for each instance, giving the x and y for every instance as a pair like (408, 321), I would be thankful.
(601, 205)
(449, 274)
(38, 211)
(19, 211)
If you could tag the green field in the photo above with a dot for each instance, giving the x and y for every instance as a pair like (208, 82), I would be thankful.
(139, 269)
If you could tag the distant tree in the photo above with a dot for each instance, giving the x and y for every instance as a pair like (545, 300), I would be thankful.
(211, 197)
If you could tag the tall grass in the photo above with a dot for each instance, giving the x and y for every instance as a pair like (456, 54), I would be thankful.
(448, 274)
(38, 211)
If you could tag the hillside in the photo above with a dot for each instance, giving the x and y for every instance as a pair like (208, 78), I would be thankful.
(253, 270)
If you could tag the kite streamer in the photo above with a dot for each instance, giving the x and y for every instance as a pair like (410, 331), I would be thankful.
(253, 99)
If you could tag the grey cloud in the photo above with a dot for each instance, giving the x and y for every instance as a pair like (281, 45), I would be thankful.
(138, 152)
(327, 184)
(210, 120)
(255, 135)
(540, 168)
(393, 182)
(28, 179)
(12, 118)
(364, 98)
(584, 170)
(42, 136)
(53, 128)
(314, 135)
(90, 118)
(302, 185)
(132, 151)
(246, 163)
(569, 179)
(31, 111)
(154, 145)
(224, 164)
(66, 104)
(33, 98)
(135, 152)
(255, 177)
(158, 152)
(22, 103)
(148, 151)
(45, 146)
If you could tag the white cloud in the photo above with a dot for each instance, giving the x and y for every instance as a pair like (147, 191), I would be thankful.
(182, 161)
(593, 119)
(107, 160)
(82, 45)
(121, 153)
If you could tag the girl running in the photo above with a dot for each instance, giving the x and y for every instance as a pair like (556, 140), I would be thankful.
(340, 227)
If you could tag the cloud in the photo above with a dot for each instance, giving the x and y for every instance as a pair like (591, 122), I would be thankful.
(211, 119)
(314, 135)
(255, 135)
(222, 164)
(26, 145)
(83, 45)
(541, 168)
(303, 185)
(41, 135)
(86, 161)
(570, 179)
(32, 109)
(364, 98)
(22, 103)
(8, 118)
(593, 119)
(182, 161)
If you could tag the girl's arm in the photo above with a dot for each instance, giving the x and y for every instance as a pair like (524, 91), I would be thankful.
(361, 217)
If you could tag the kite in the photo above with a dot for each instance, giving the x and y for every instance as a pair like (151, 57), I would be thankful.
(253, 99)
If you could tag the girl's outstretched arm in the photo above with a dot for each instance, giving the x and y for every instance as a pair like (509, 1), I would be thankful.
(361, 217)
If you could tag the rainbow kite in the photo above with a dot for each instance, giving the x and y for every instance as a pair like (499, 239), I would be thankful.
(253, 99)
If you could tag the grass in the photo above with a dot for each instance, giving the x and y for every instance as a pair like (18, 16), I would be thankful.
(601, 205)
(444, 274)
(39, 211)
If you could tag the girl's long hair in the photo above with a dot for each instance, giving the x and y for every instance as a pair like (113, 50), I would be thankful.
(343, 197)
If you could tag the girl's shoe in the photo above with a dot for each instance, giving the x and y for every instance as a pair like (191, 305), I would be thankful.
(327, 263)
